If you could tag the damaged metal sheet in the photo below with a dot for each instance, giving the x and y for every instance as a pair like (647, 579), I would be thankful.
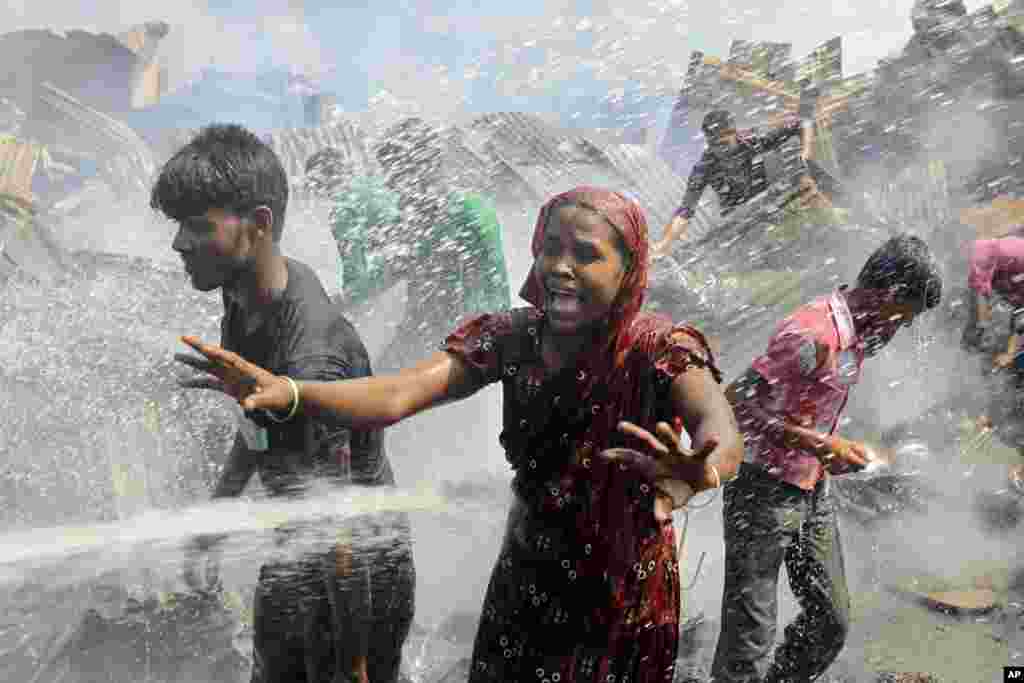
(521, 139)
(63, 121)
(295, 146)
(658, 189)
(546, 160)
(97, 68)
(516, 157)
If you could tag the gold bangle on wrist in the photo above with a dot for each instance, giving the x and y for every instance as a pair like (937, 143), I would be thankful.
(294, 404)
(714, 490)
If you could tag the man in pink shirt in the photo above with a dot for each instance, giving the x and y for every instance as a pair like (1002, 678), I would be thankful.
(778, 508)
(996, 268)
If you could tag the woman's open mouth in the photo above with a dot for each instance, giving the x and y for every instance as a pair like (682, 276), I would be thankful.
(564, 303)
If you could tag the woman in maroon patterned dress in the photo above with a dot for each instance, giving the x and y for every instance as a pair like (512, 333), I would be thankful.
(586, 587)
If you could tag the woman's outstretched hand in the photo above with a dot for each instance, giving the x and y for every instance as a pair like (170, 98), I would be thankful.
(252, 386)
(669, 460)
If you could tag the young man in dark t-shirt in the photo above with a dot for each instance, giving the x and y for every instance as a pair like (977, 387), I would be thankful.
(341, 608)
(733, 165)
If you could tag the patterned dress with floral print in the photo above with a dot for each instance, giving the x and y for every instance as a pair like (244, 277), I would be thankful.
(586, 587)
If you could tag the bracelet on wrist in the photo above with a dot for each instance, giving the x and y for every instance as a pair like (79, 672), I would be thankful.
(294, 404)
(717, 487)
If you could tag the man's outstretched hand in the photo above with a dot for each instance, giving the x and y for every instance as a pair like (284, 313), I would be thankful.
(846, 453)
(249, 384)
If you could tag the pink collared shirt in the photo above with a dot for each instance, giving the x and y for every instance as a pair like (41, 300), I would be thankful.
(998, 266)
(811, 362)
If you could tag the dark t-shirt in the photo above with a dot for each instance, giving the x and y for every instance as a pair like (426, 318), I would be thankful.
(303, 334)
(737, 175)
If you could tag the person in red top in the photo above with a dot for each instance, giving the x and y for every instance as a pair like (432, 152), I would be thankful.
(586, 587)
(778, 508)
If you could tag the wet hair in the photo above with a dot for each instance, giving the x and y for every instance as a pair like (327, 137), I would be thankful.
(905, 266)
(227, 167)
(620, 241)
(717, 121)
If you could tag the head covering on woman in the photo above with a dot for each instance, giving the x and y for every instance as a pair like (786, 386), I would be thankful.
(628, 220)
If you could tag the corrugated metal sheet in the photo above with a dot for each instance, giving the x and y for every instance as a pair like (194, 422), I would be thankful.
(96, 68)
(515, 157)
(526, 139)
(294, 146)
(657, 187)
(547, 180)
(468, 166)
(549, 160)
(544, 159)
(64, 121)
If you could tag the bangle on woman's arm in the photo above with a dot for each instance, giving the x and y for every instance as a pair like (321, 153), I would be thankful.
(715, 489)
(718, 477)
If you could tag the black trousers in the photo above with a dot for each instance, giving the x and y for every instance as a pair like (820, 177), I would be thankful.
(315, 612)
(768, 522)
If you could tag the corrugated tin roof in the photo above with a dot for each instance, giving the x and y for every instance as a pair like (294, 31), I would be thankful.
(294, 146)
(469, 166)
(526, 139)
(550, 160)
(545, 159)
(490, 152)
(63, 121)
(657, 187)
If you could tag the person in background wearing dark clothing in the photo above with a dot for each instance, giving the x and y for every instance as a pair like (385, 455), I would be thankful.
(336, 611)
(732, 165)
(779, 509)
